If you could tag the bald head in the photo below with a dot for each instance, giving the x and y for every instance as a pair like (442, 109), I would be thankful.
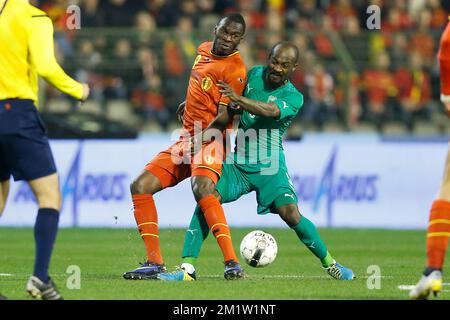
(286, 48)
(283, 59)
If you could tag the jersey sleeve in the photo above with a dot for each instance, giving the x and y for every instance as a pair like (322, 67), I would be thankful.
(289, 106)
(236, 80)
(43, 57)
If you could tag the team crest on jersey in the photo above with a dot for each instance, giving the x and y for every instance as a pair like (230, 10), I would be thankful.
(271, 99)
(206, 83)
(209, 160)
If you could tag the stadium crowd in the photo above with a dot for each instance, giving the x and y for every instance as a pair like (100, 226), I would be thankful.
(141, 52)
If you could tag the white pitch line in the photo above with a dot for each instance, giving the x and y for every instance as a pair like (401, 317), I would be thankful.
(409, 287)
(6, 275)
(290, 276)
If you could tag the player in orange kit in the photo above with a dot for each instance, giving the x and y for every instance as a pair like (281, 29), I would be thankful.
(439, 221)
(205, 110)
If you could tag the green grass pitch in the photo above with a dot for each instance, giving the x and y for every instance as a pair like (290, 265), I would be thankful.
(104, 254)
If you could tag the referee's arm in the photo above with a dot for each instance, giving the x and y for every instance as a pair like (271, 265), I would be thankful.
(43, 59)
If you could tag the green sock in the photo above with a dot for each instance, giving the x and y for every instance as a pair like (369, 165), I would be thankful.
(194, 237)
(307, 233)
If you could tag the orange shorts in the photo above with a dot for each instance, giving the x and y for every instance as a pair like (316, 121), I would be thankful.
(176, 164)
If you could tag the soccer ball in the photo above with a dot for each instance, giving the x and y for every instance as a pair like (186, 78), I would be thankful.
(259, 249)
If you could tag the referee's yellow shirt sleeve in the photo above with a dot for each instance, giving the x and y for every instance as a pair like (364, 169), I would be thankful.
(43, 57)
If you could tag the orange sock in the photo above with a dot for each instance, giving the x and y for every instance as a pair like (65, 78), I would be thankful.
(147, 221)
(215, 217)
(438, 233)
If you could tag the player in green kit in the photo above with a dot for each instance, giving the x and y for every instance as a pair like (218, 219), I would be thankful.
(269, 103)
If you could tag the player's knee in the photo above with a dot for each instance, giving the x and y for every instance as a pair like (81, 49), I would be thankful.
(202, 188)
(137, 187)
(50, 200)
(144, 185)
(290, 215)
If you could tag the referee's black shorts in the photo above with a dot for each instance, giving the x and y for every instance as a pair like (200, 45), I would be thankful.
(24, 148)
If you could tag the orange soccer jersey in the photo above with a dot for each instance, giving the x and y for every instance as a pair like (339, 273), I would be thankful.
(203, 96)
(202, 101)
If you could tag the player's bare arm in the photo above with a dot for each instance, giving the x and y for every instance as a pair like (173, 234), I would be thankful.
(224, 116)
(255, 107)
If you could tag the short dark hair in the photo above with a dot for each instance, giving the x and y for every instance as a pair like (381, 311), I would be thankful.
(286, 44)
(235, 17)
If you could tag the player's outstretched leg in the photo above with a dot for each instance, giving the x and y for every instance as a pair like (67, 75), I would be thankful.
(203, 189)
(185, 272)
(193, 240)
(145, 214)
(308, 235)
(437, 240)
(46, 190)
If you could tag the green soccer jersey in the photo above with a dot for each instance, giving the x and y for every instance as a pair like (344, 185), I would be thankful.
(259, 139)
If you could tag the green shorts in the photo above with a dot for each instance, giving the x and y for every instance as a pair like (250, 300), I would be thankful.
(272, 191)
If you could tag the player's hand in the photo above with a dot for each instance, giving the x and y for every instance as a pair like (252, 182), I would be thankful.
(180, 111)
(227, 91)
(447, 108)
(235, 108)
(86, 92)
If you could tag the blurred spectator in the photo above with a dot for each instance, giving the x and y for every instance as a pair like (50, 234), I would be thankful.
(399, 48)
(378, 87)
(304, 11)
(118, 13)
(148, 101)
(91, 15)
(253, 18)
(323, 44)
(347, 93)
(397, 20)
(207, 17)
(148, 63)
(413, 85)
(320, 106)
(146, 28)
(439, 15)
(186, 39)
(165, 12)
(122, 75)
(422, 41)
(189, 10)
(339, 12)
